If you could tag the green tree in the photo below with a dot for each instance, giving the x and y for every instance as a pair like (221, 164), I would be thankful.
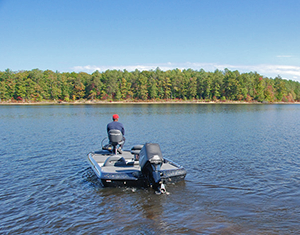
(166, 85)
(111, 80)
(259, 89)
(30, 89)
(217, 81)
(231, 84)
(9, 78)
(207, 87)
(202, 76)
(94, 86)
(192, 88)
(152, 89)
(176, 83)
(20, 88)
(155, 84)
(280, 87)
(2, 91)
(142, 91)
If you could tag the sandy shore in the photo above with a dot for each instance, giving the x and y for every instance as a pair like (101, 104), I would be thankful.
(137, 102)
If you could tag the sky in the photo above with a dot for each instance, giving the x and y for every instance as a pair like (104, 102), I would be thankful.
(87, 35)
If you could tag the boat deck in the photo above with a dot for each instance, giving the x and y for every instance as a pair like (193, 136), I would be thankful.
(122, 169)
(101, 156)
(130, 166)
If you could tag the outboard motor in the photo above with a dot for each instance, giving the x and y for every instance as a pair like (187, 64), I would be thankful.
(115, 138)
(150, 159)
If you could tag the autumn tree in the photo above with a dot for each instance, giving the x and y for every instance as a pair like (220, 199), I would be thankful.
(38, 85)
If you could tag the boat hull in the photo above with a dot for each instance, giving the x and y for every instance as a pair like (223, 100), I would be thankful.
(125, 171)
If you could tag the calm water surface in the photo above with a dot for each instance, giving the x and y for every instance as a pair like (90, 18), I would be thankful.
(242, 162)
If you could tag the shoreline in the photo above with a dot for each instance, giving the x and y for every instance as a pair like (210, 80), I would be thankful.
(95, 102)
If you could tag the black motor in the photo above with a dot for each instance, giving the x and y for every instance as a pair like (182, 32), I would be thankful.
(150, 159)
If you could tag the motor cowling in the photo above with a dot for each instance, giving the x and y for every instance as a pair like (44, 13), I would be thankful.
(151, 160)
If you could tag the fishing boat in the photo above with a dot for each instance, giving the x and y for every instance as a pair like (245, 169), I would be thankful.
(141, 166)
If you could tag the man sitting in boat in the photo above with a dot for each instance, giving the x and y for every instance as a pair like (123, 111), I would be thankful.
(116, 125)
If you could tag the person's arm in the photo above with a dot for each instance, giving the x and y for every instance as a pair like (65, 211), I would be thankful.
(123, 130)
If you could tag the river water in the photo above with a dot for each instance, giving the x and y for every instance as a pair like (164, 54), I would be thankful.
(242, 165)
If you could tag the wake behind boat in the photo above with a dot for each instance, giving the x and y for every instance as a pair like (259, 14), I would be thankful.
(142, 166)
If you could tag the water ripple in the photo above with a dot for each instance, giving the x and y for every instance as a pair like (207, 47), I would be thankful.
(242, 163)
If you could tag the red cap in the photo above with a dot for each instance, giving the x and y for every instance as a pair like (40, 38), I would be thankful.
(115, 116)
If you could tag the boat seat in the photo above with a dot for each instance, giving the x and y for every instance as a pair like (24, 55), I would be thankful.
(136, 149)
(115, 160)
(115, 138)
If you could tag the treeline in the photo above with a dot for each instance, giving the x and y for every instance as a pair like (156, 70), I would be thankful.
(116, 85)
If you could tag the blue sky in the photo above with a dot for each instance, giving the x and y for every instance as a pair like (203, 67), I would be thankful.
(89, 35)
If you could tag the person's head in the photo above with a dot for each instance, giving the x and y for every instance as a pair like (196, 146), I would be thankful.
(115, 117)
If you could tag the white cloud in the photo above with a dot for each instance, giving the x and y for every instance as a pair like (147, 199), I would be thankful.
(267, 70)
